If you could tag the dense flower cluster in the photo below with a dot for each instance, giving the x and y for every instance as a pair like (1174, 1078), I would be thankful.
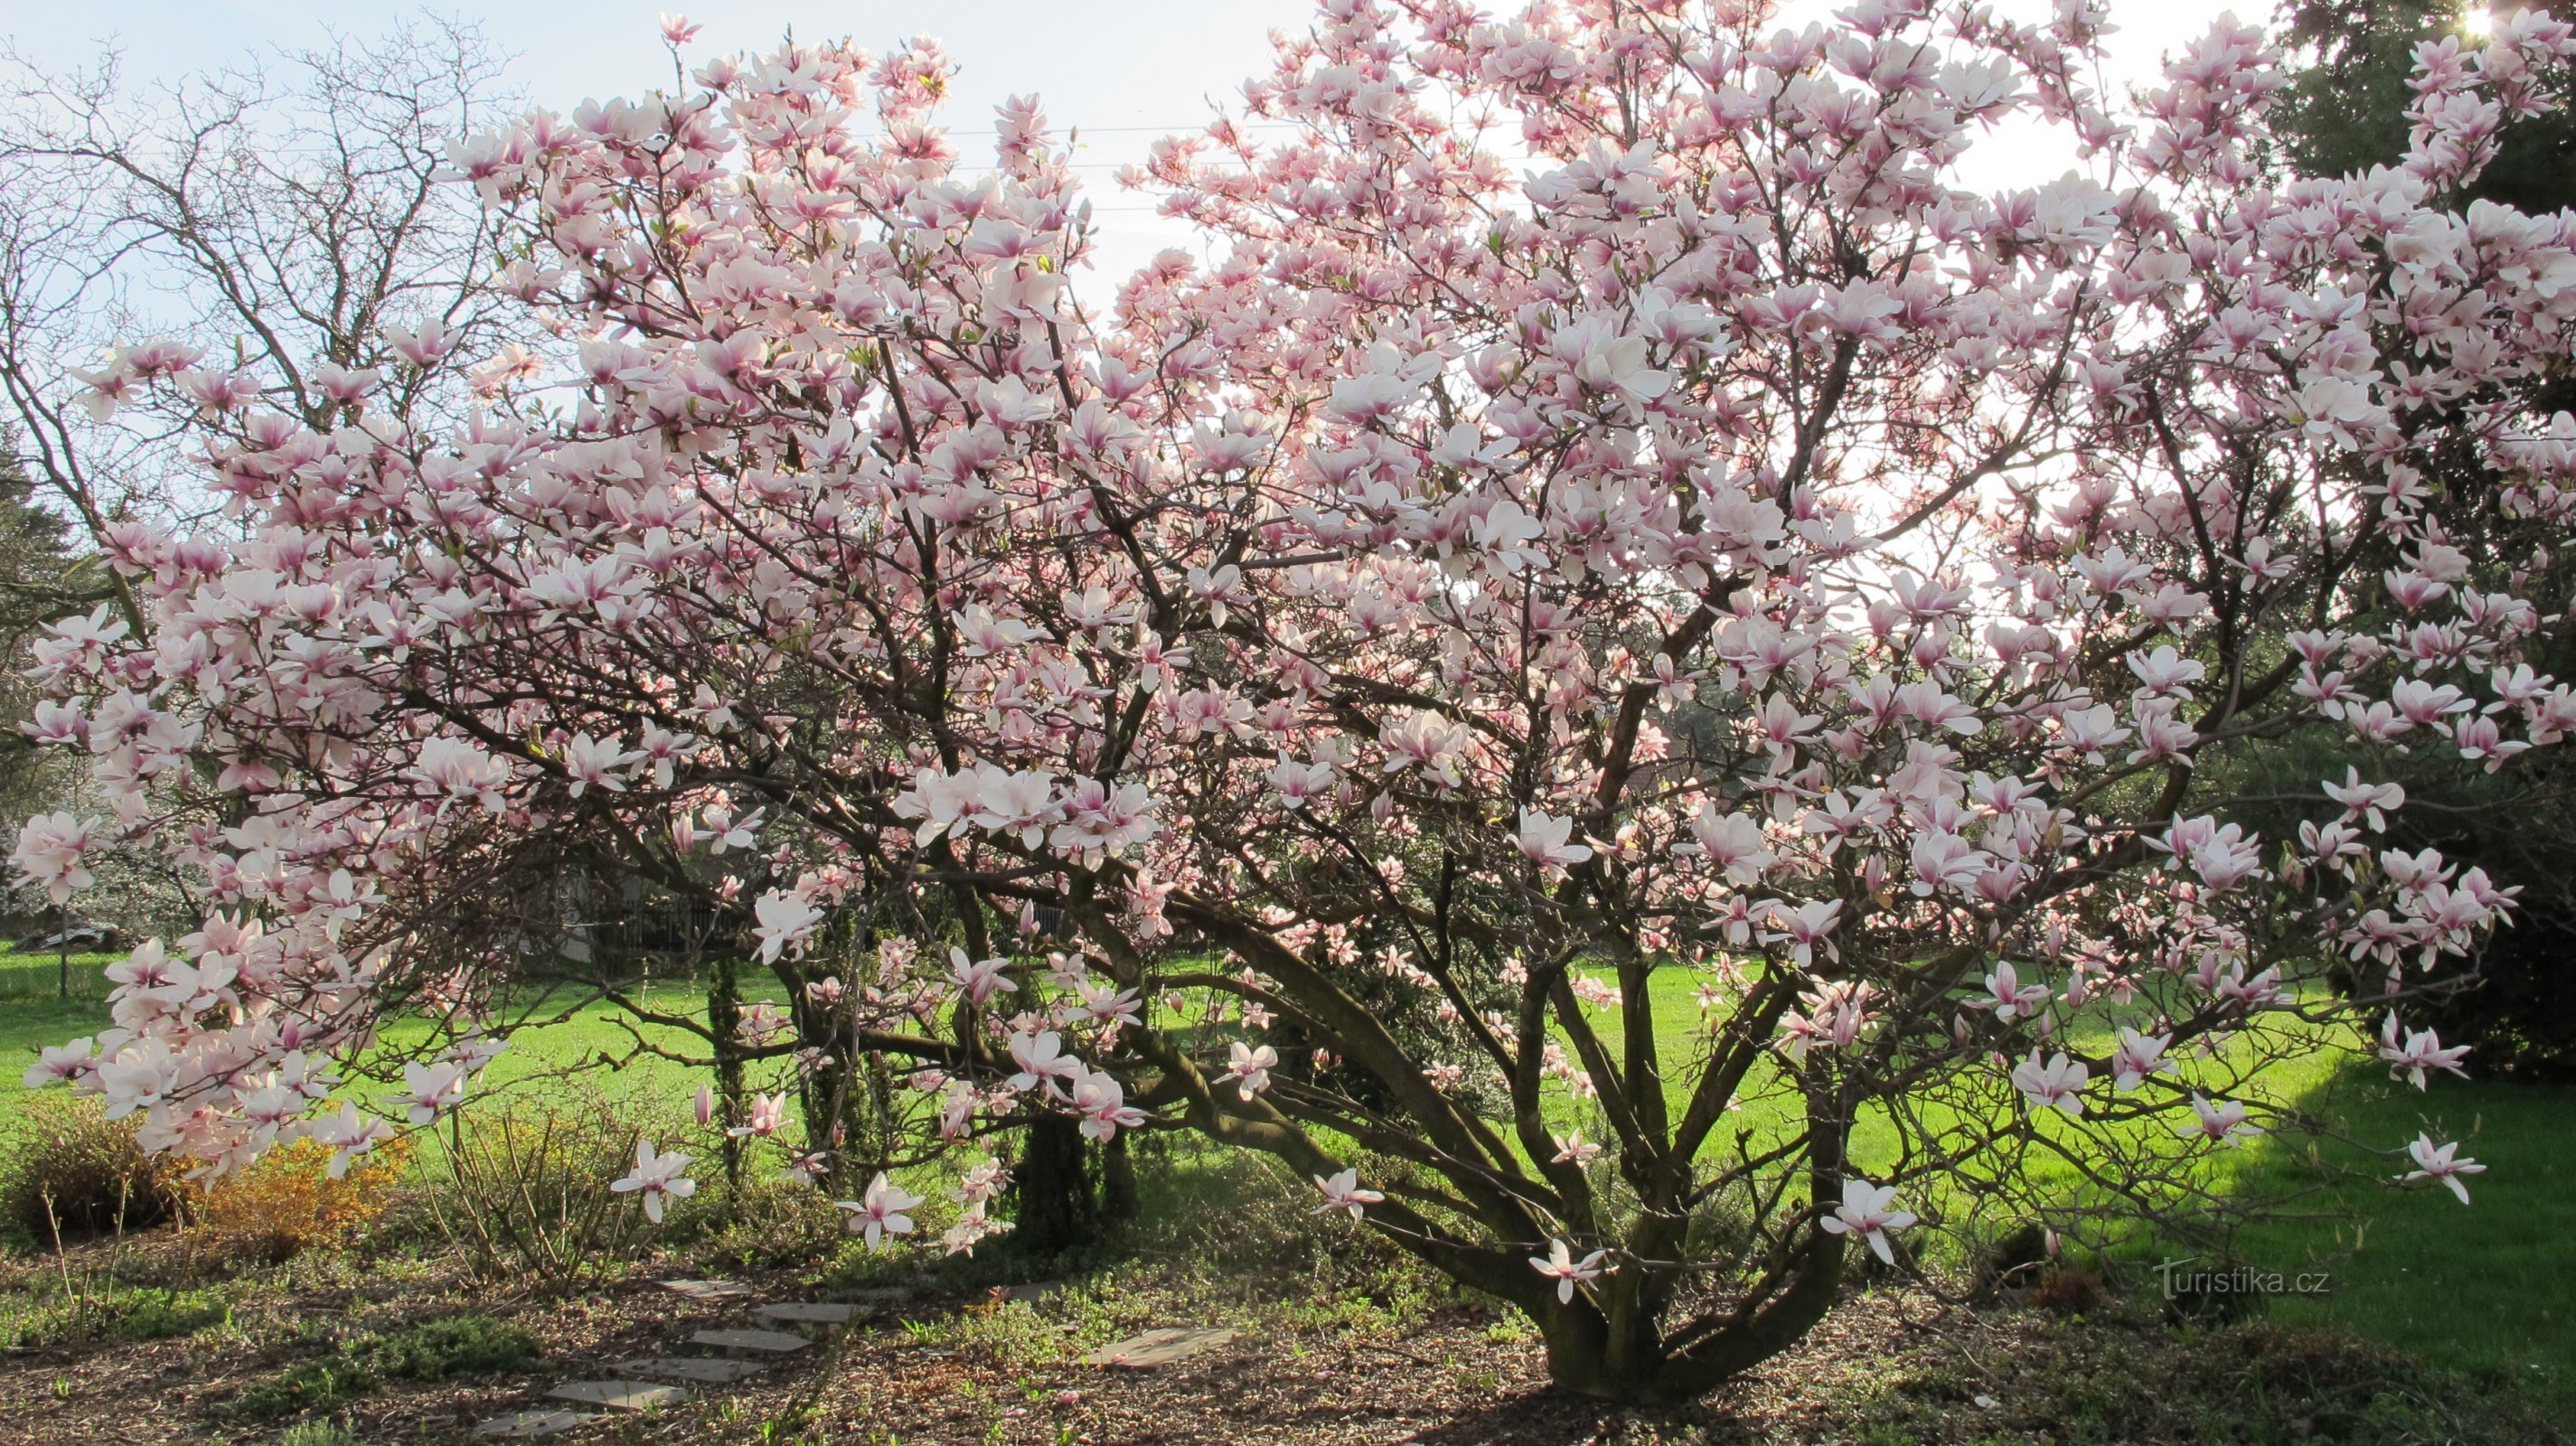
(1329, 705)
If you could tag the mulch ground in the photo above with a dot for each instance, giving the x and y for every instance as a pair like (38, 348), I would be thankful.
(1448, 1383)
(961, 1369)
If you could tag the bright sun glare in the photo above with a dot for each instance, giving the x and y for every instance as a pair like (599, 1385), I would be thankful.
(2477, 22)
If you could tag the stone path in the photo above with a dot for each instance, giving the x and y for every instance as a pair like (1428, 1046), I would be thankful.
(533, 1423)
(654, 1381)
(653, 1377)
(1158, 1348)
(619, 1395)
(702, 1370)
(806, 1312)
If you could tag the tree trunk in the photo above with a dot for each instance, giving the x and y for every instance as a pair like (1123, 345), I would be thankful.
(724, 1021)
(1056, 1207)
(1117, 1182)
(1584, 1353)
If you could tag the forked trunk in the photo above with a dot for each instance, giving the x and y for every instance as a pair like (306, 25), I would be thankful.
(1617, 1352)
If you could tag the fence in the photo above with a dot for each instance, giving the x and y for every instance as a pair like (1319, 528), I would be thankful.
(25, 976)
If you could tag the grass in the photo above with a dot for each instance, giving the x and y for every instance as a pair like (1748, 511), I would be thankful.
(2490, 1287)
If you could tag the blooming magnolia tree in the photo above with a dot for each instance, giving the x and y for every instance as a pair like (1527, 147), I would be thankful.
(1644, 727)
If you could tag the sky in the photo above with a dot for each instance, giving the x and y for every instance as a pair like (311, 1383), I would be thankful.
(1123, 70)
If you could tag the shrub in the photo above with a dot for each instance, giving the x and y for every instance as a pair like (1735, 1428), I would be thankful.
(762, 1224)
(527, 1192)
(68, 1168)
(304, 1386)
(433, 1350)
(153, 1313)
(288, 1203)
(456, 1345)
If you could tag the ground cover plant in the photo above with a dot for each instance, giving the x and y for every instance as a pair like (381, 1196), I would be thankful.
(1327, 704)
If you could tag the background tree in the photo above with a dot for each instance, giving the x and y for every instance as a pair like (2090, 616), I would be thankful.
(43, 579)
(2347, 108)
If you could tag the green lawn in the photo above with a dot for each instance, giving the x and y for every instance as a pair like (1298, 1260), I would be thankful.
(2489, 1286)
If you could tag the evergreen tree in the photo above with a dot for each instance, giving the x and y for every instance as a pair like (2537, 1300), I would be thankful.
(43, 577)
(2346, 110)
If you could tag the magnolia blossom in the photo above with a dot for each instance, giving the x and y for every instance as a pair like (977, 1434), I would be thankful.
(1545, 841)
(1864, 1213)
(768, 1116)
(785, 920)
(2225, 1122)
(2139, 1057)
(431, 1089)
(348, 1135)
(879, 1213)
(1560, 1266)
(1042, 1061)
(1576, 1150)
(2441, 1162)
(2421, 1051)
(657, 1177)
(2007, 996)
(2057, 1084)
(1251, 1067)
(979, 979)
(1342, 1192)
(52, 852)
(1102, 1103)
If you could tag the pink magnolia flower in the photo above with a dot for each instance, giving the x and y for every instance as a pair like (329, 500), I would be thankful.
(1342, 1192)
(1102, 1103)
(52, 852)
(880, 1212)
(2138, 1057)
(1560, 1266)
(2443, 1163)
(768, 1117)
(1864, 1213)
(430, 1089)
(2225, 1122)
(2057, 1084)
(1251, 1067)
(2006, 995)
(1547, 842)
(1576, 1150)
(1042, 1061)
(657, 1178)
(979, 979)
(2422, 1050)
(349, 1135)
(784, 920)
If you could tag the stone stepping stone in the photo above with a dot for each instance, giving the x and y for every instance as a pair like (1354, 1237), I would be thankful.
(1159, 1347)
(806, 1312)
(700, 1370)
(524, 1424)
(708, 1289)
(619, 1395)
(776, 1343)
